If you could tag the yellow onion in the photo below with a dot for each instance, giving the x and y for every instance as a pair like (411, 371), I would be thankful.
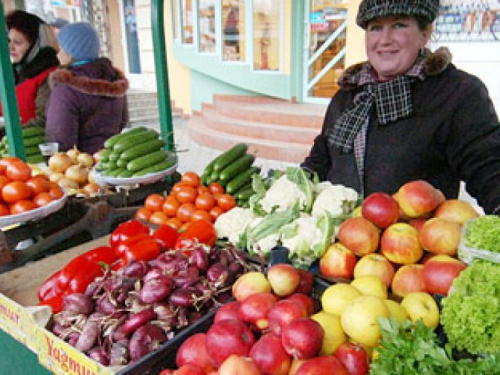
(73, 154)
(91, 177)
(97, 156)
(56, 176)
(85, 159)
(91, 189)
(60, 162)
(68, 183)
(77, 173)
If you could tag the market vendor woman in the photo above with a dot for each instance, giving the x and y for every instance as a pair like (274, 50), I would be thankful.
(409, 114)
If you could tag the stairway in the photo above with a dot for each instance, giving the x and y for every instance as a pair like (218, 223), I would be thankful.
(274, 129)
(143, 109)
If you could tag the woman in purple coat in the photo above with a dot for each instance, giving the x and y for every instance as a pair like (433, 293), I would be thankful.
(88, 103)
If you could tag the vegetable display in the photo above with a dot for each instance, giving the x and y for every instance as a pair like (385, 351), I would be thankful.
(484, 233)
(134, 153)
(32, 137)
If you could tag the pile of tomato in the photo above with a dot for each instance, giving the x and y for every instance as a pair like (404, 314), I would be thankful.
(21, 191)
(188, 201)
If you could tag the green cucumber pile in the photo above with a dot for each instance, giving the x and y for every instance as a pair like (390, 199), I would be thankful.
(233, 170)
(134, 153)
(32, 137)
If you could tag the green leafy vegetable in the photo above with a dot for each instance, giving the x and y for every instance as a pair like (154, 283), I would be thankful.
(413, 349)
(484, 233)
(471, 312)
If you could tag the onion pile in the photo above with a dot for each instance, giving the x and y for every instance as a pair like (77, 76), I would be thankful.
(128, 313)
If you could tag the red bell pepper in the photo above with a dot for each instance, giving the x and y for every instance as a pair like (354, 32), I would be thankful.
(145, 249)
(55, 303)
(48, 288)
(199, 231)
(166, 236)
(87, 274)
(123, 246)
(124, 231)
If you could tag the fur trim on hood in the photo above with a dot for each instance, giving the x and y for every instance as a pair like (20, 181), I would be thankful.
(88, 85)
(435, 63)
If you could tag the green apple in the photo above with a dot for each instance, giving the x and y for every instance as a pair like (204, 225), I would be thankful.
(421, 305)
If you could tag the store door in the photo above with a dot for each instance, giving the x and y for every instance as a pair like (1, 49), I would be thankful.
(131, 43)
(324, 48)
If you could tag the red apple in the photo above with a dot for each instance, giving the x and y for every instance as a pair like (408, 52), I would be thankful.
(270, 356)
(193, 351)
(302, 338)
(228, 311)
(375, 265)
(418, 198)
(284, 312)
(239, 365)
(306, 284)
(439, 273)
(324, 365)
(381, 209)
(359, 235)
(189, 370)
(408, 279)
(417, 223)
(353, 357)
(338, 261)
(440, 236)
(255, 309)
(400, 244)
(456, 210)
(284, 279)
(250, 283)
(228, 337)
(309, 303)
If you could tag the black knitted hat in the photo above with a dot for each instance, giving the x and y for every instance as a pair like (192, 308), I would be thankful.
(371, 9)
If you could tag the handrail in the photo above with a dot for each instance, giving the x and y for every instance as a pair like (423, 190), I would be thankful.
(8, 95)
(160, 56)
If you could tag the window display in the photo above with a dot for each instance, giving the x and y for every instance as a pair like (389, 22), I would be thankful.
(267, 35)
(206, 25)
(233, 21)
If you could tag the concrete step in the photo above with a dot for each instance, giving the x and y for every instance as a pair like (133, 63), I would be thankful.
(284, 133)
(138, 112)
(143, 102)
(263, 148)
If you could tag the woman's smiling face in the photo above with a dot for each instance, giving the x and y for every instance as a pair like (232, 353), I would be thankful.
(393, 44)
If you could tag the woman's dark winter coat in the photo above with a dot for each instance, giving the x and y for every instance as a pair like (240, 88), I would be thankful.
(87, 105)
(453, 135)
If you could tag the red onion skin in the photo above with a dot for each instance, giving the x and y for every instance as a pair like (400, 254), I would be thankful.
(137, 320)
(88, 336)
(79, 303)
(144, 340)
(155, 290)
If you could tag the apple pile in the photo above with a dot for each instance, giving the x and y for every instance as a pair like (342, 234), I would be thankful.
(272, 327)
(409, 240)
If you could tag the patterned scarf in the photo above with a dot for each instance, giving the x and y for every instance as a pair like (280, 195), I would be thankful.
(392, 99)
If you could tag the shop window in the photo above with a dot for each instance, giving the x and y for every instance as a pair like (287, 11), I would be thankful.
(267, 35)
(233, 33)
(175, 19)
(206, 25)
(187, 21)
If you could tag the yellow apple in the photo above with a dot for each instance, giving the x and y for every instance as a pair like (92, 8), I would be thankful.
(396, 310)
(359, 319)
(334, 335)
(376, 265)
(337, 296)
(370, 286)
(420, 305)
(250, 283)
(400, 244)
(456, 210)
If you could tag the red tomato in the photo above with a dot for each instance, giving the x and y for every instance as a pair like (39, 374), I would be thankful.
(42, 199)
(185, 212)
(186, 194)
(202, 189)
(226, 202)
(4, 181)
(22, 206)
(184, 227)
(170, 206)
(215, 212)
(214, 188)
(201, 215)
(201, 231)
(38, 184)
(205, 202)
(4, 210)
(16, 191)
(178, 186)
(174, 223)
(18, 171)
(7, 160)
(166, 236)
(154, 202)
(158, 218)
(143, 214)
(190, 179)
(56, 192)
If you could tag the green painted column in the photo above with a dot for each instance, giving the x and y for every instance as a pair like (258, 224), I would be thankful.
(8, 95)
(160, 55)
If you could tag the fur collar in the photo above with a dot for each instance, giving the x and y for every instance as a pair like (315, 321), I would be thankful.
(93, 86)
(435, 63)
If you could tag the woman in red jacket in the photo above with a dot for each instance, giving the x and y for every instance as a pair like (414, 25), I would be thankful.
(33, 52)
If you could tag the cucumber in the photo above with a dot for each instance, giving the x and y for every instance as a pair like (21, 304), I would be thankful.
(241, 180)
(235, 168)
(142, 149)
(229, 156)
(155, 168)
(210, 166)
(33, 141)
(115, 172)
(245, 192)
(204, 178)
(214, 177)
(125, 174)
(134, 140)
(121, 163)
(110, 142)
(32, 131)
(147, 160)
(35, 159)
(114, 156)
(102, 166)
